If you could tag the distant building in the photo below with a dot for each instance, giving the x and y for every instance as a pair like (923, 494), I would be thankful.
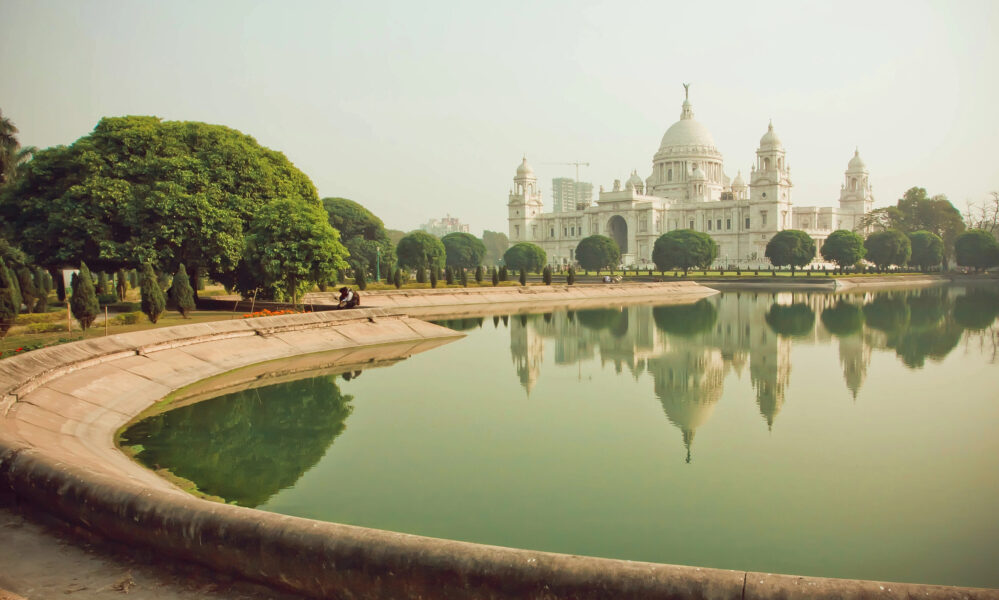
(688, 189)
(570, 195)
(442, 227)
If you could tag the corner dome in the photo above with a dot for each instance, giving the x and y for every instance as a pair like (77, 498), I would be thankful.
(524, 169)
(856, 163)
(697, 174)
(770, 139)
(738, 182)
(635, 180)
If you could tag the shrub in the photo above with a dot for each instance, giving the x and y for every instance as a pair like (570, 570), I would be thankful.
(449, 276)
(129, 318)
(102, 284)
(8, 308)
(523, 277)
(478, 274)
(397, 279)
(433, 277)
(421, 275)
(29, 294)
(504, 274)
(495, 277)
(43, 286)
(46, 327)
(360, 278)
(464, 276)
(83, 302)
(570, 278)
(546, 275)
(181, 292)
(103, 299)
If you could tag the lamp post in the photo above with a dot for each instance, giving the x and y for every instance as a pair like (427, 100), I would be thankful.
(378, 263)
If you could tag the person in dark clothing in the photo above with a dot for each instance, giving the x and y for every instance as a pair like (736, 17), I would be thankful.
(348, 298)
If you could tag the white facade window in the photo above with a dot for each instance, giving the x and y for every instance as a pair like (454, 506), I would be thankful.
(763, 217)
(728, 223)
(572, 231)
(552, 232)
(516, 231)
(709, 224)
(691, 224)
(747, 222)
(718, 223)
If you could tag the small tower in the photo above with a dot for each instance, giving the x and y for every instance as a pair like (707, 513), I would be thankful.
(738, 187)
(697, 187)
(855, 196)
(525, 203)
(770, 184)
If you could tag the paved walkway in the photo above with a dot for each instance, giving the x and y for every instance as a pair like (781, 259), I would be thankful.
(44, 559)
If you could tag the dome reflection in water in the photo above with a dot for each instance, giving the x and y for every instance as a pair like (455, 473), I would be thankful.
(840, 435)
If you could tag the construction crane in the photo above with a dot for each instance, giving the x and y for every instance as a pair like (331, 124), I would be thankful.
(577, 164)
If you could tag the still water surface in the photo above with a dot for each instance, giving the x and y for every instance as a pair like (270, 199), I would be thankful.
(846, 435)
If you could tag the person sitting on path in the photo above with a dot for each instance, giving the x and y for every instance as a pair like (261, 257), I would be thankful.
(348, 298)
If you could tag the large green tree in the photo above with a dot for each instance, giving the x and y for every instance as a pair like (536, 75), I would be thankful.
(525, 256)
(361, 232)
(140, 189)
(977, 249)
(888, 247)
(684, 249)
(420, 250)
(292, 246)
(463, 250)
(927, 249)
(790, 247)
(918, 211)
(845, 248)
(597, 252)
(496, 244)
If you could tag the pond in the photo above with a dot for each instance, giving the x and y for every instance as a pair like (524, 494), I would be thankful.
(837, 435)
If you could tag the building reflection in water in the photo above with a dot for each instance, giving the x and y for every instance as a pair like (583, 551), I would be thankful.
(688, 350)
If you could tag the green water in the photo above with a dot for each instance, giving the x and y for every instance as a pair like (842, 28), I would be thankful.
(833, 435)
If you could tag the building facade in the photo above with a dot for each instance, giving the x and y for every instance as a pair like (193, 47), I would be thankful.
(442, 227)
(688, 189)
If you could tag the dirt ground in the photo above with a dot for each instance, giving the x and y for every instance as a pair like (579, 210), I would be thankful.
(42, 558)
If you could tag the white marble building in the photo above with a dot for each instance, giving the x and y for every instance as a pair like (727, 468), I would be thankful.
(688, 189)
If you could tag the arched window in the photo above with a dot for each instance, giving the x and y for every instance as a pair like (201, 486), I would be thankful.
(780, 163)
(853, 184)
(766, 164)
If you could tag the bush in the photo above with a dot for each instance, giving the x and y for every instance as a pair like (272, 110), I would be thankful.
(449, 276)
(433, 277)
(46, 327)
(523, 277)
(397, 279)
(464, 277)
(504, 274)
(421, 275)
(125, 307)
(546, 275)
(360, 278)
(130, 318)
(495, 274)
(83, 302)
(103, 299)
(29, 294)
(570, 278)
(478, 274)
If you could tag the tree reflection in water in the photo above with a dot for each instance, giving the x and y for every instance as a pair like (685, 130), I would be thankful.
(246, 446)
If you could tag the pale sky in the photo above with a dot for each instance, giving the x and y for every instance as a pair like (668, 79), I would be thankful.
(421, 109)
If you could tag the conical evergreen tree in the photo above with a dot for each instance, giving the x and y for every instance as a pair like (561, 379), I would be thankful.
(449, 275)
(570, 278)
(153, 302)
(397, 279)
(121, 284)
(181, 292)
(83, 302)
(42, 287)
(29, 294)
(103, 288)
(360, 278)
(546, 275)
(15, 288)
(433, 277)
(478, 274)
(523, 277)
(495, 277)
(8, 308)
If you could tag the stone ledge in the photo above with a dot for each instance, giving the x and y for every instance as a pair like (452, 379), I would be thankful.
(71, 469)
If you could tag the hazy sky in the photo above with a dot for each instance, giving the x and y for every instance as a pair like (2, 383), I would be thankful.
(421, 109)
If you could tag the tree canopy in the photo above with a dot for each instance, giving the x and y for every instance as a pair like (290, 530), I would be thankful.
(361, 232)
(888, 247)
(845, 248)
(977, 249)
(291, 245)
(684, 249)
(597, 252)
(917, 211)
(420, 250)
(790, 247)
(927, 249)
(141, 189)
(793, 320)
(463, 250)
(525, 256)
(496, 244)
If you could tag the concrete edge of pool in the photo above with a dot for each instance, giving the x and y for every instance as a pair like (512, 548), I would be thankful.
(60, 408)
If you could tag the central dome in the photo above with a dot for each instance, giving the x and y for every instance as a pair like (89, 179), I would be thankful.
(687, 132)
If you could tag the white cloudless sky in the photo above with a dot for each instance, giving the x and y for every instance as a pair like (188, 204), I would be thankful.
(422, 109)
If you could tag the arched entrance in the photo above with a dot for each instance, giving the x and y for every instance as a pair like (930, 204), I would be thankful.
(617, 229)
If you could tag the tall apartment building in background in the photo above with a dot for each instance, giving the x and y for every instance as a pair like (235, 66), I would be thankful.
(569, 195)
(442, 227)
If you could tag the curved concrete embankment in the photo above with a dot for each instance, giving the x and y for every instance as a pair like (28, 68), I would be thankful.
(60, 408)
